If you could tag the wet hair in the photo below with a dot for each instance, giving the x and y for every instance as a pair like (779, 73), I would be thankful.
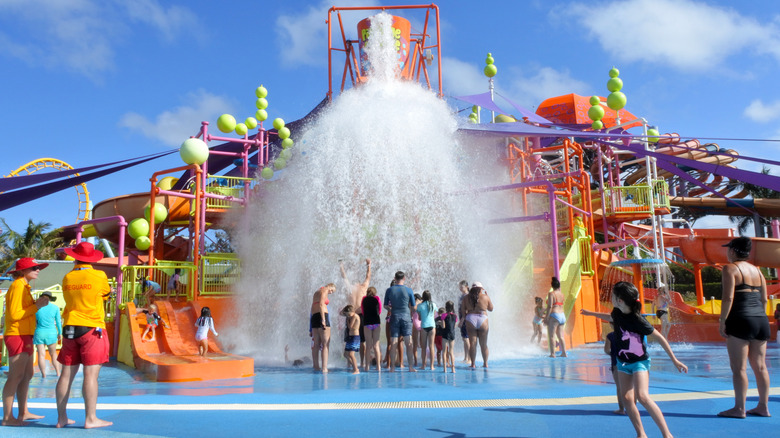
(555, 283)
(474, 294)
(392, 282)
(399, 276)
(347, 309)
(177, 271)
(629, 294)
(418, 297)
(538, 300)
(331, 285)
(426, 297)
(450, 306)
(205, 314)
(741, 247)
(463, 283)
(371, 291)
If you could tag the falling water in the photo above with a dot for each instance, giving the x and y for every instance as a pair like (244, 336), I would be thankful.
(373, 177)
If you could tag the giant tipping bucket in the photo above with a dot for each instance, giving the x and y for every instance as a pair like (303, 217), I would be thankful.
(401, 31)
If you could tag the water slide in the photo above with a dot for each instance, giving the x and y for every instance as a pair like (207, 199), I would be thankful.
(173, 356)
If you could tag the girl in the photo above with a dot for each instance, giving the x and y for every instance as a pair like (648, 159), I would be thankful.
(204, 324)
(450, 321)
(427, 312)
(633, 361)
(661, 307)
(437, 338)
(416, 329)
(153, 318)
(556, 320)
(351, 337)
(371, 307)
(538, 320)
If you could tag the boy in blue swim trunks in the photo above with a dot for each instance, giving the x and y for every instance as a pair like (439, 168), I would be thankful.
(351, 337)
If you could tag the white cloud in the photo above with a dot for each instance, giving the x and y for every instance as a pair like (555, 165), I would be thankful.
(526, 86)
(758, 111)
(174, 126)
(80, 35)
(303, 37)
(682, 34)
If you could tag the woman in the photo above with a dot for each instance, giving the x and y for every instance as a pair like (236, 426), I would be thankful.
(476, 306)
(745, 325)
(556, 320)
(48, 332)
(426, 309)
(20, 310)
(371, 307)
(661, 308)
(320, 326)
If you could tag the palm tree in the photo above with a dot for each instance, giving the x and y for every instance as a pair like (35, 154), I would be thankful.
(35, 242)
(761, 225)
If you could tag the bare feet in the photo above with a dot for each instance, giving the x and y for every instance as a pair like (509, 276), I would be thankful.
(552, 355)
(324, 371)
(484, 366)
(30, 416)
(14, 422)
(619, 412)
(432, 368)
(732, 413)
(67, 422)
(563, 355)
(356, 372)
(760, 412)
(412, 370)
(97, 423)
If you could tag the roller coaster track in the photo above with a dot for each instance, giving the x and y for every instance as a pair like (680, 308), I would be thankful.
(53, 163)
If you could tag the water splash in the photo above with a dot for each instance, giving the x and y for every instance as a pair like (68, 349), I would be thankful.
(373, 176)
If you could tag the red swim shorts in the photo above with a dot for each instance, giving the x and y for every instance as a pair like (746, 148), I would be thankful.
(17, 344)
(88, 349)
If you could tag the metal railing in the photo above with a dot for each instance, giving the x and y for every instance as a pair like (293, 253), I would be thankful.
(219, 274)
(231, 186)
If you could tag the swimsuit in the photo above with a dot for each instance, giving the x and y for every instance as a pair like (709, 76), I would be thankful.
(476, 319)
(316, 321)
(558, 316)
(747, 318)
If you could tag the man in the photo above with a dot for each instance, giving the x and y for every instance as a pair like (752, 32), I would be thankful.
(85, 341)
(358, 291)
(401, 300)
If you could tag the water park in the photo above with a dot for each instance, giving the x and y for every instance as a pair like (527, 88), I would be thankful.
(253, 214)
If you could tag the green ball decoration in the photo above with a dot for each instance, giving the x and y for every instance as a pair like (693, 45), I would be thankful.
(614, 72)
(261, 115)
(597, 125)
(287, 143)
(596, 112)
(653, 135)
(278, 123)
(143, 243)
(138, 227)
(489, 60)
(160, 213)
(250, 122)
(595, 100)
(503, 118)
(616, 100)
(286, 154)
(490, 70)
(261, 92)
(614, 84)
(284, 132)
(261, 103)
(280, 163)
(226, 123)
(473, 116)
(472, 120)
(241, 129)
(267, 173)
(194, 151)
(475, 109)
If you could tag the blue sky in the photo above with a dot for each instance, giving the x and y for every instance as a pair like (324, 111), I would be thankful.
(95, 81)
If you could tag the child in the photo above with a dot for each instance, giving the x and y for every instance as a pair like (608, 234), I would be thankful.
(152, 320)
(610, 347)
(449, 327)
(351, 337)
(437, 339)
(538, 320)
(633, 361)
(777, 322)
(174, 284)
(204, 323)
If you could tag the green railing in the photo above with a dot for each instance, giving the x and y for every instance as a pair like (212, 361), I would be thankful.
(661, 193)
(586, 255)
(227, 186)
(219, 274)
(636, 198)
(133, 276)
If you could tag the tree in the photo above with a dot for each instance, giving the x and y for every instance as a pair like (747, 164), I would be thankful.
(761, 225)
(35, 242)
(220, 243)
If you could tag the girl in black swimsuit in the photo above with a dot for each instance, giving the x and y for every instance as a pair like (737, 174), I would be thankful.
(745, 325)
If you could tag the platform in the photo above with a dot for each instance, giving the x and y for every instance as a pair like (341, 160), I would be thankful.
(533, 396)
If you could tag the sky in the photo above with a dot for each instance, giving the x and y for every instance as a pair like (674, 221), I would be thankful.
(97, 81)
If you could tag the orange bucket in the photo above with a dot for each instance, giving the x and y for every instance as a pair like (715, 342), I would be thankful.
(401, 29)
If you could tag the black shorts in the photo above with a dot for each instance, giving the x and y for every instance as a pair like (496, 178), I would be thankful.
(316, 321)
(748, 328)
(660, 313)
(362, 335)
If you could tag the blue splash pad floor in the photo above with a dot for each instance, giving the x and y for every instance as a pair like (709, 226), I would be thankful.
(528, 397)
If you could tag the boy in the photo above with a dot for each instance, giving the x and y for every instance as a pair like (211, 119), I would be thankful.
(351, 337)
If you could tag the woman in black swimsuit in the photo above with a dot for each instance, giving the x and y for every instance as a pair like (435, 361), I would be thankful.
(745, 325)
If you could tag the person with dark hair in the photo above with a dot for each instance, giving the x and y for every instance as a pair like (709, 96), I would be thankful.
(661, 308)
(476, 306)
(633, 362)
(555, 318)
(426, 309)
(745, 325)
(371, 307)
(204, 323)
(319, 326)
(463, 286)
(20, 310)
(358, 292)
(401, 300)
(538, 320)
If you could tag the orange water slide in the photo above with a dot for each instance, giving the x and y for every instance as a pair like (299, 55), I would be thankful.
(764, 207)
(173, 356)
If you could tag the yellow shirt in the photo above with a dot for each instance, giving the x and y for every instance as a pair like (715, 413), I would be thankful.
(85, 289)
(20, 309)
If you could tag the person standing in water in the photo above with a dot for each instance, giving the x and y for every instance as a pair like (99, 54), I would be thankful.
(556, 320)
(319, 324)
(401, 298)
(358, 292)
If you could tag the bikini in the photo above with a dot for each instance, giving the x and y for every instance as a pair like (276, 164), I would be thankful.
(558, 316)
(316, 320)
(476, 319)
